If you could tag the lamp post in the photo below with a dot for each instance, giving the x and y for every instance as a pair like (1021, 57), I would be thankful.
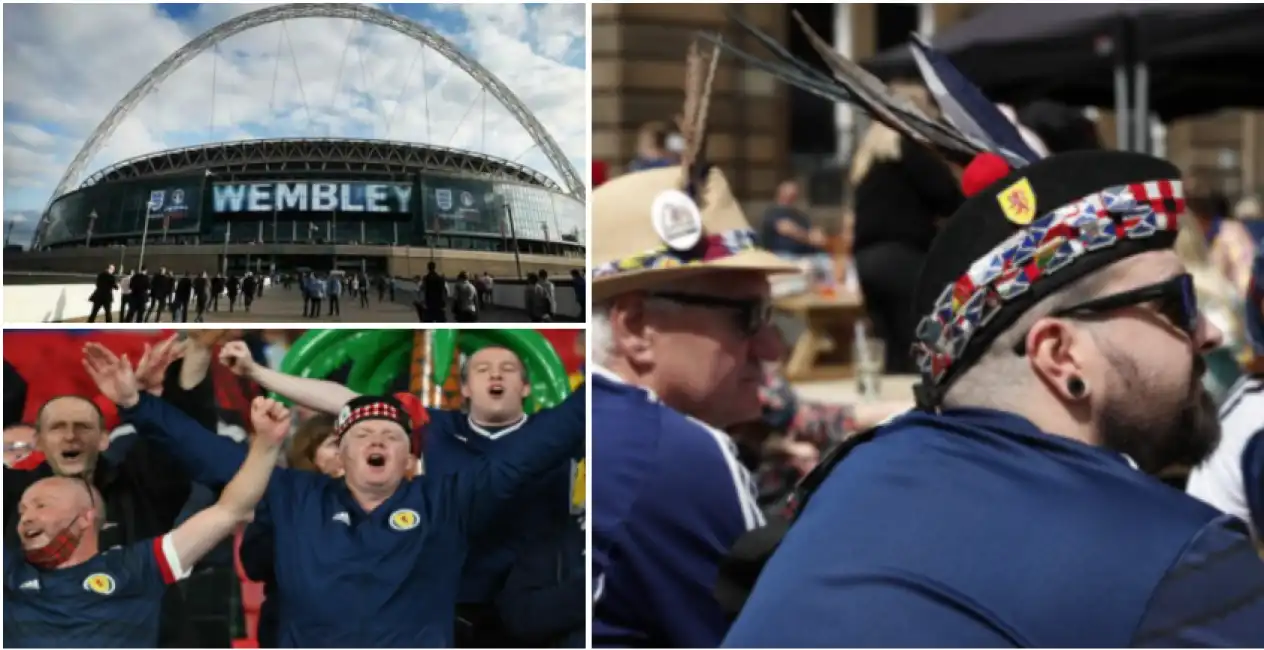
(92, 222)
(513, 236)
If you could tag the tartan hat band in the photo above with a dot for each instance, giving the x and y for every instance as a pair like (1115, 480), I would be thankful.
(366, 408)
(1094, 226)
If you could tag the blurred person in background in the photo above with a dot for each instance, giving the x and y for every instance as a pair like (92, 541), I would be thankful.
(1249, 213)
(1229, 244)
(19, 444)
(464, 299)
(652, 149)
(901, 193)
(1220, 303)
(1232, 479)
(787, 231)
(550, 293)
(1060, 127)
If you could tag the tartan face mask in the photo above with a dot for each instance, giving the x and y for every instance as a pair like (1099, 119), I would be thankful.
(57, 551)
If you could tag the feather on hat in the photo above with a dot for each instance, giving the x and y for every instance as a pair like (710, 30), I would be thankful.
(1031, 225)
(655, 226)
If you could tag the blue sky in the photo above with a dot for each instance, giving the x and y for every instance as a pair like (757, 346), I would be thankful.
(65, 67)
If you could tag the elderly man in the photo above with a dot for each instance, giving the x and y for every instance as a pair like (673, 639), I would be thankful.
(680, 333)
(1060, 354)
(67, 589)
(393, 546)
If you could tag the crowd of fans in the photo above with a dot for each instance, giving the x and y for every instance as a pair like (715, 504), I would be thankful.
(384, 524)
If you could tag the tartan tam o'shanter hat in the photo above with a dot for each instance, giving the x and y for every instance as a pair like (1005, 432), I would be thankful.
(659, 225)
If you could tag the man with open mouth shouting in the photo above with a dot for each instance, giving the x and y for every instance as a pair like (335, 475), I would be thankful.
(61, 590)
(371, 559)
(494, 383)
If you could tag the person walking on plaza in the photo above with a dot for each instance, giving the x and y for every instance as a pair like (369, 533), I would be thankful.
(182, 295)
(125, 295)
(200, 288)
(249, 287)
(233, 286)
(434, 294)
(160, 288)
(316, 285)
(217, 289)
(363, 281)
(103, 296)
(333, 287)
(140, 295)
(464, 299)
(550, 294)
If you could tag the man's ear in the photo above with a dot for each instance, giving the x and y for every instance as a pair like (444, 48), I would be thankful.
(629, 330)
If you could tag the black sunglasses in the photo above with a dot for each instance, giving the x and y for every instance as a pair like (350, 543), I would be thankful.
(1173, 298)
(752, 314)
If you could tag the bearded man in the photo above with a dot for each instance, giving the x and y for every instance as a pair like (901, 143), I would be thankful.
(1060, 354)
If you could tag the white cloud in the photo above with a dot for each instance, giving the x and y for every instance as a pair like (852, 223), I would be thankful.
(66, 66)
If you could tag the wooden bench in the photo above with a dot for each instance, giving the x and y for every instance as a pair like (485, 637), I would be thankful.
(824, 350)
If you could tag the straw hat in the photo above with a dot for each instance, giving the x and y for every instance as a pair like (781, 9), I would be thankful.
(649, 232)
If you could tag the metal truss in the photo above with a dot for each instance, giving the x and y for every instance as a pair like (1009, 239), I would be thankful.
(363, 13)
(280, 156)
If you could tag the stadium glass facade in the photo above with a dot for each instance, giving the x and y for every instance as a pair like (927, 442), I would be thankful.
(419, 210)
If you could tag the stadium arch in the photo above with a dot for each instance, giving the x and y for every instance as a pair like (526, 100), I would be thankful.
(277, 13)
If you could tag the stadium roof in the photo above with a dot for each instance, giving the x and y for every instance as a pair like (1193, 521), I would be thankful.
(371, 157)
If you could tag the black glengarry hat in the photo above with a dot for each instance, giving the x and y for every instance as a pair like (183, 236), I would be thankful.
(1028, 234)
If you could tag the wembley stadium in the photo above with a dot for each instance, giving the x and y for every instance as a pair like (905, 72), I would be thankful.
(279, 205)
(279, 197)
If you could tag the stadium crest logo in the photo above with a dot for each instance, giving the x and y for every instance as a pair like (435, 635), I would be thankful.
(405, 519)
(443, 198)
(467, 199)
(99, 583)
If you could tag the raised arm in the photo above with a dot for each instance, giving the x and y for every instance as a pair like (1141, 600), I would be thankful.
(323, 396)
(205, 530)
(209, 458)
(550, 439)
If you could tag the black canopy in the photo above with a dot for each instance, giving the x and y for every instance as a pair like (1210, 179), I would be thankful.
(1200, 57)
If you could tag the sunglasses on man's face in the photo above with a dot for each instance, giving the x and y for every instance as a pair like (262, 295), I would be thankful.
(1174, 299)
(751, 314)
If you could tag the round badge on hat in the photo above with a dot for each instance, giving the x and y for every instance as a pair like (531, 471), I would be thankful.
(677, 220)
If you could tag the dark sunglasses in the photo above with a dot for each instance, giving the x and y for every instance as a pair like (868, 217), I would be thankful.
(1173, 298)
(752, 314)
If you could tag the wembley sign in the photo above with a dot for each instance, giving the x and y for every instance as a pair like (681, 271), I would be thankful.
(304, 196)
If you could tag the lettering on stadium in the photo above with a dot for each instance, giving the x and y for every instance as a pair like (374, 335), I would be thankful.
(301, 196)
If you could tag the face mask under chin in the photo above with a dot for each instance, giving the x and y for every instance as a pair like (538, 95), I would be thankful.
(57, 551)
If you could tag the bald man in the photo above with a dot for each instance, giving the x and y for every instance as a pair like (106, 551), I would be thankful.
(61, 590)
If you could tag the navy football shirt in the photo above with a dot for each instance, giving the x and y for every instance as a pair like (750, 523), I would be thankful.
(110, 601)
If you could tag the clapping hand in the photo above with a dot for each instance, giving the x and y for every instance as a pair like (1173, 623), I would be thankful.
(151, 372)
(113, 376)
(270, 420)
